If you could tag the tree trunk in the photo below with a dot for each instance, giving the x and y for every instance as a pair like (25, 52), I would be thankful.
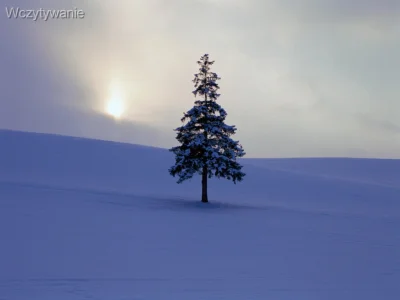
(204, 196)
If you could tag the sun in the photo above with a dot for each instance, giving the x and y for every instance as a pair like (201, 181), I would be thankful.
(115, 108)
(115, 104)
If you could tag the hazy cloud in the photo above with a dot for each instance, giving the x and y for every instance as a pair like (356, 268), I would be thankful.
(299, 78)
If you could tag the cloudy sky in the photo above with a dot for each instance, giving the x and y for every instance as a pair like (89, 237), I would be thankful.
(299, 78)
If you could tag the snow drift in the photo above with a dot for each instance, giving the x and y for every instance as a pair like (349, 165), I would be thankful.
(90, 219)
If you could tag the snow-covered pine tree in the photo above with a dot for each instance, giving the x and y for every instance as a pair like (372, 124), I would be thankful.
(206, 147)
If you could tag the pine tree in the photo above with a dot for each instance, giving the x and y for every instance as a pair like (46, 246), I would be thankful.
(206, 147)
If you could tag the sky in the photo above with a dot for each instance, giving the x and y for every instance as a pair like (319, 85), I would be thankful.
(310, 78)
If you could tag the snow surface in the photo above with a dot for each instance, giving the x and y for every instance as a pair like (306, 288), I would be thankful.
(88, 219)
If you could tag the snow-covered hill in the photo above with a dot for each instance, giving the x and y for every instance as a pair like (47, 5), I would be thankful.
(89, 219)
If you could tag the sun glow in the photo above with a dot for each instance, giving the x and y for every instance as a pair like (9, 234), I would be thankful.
(115, 108)
(115, 104)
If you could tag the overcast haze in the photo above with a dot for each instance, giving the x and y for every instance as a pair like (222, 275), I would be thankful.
(299, 78)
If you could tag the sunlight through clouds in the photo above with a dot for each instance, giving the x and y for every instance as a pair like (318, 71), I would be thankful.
(281, 62)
